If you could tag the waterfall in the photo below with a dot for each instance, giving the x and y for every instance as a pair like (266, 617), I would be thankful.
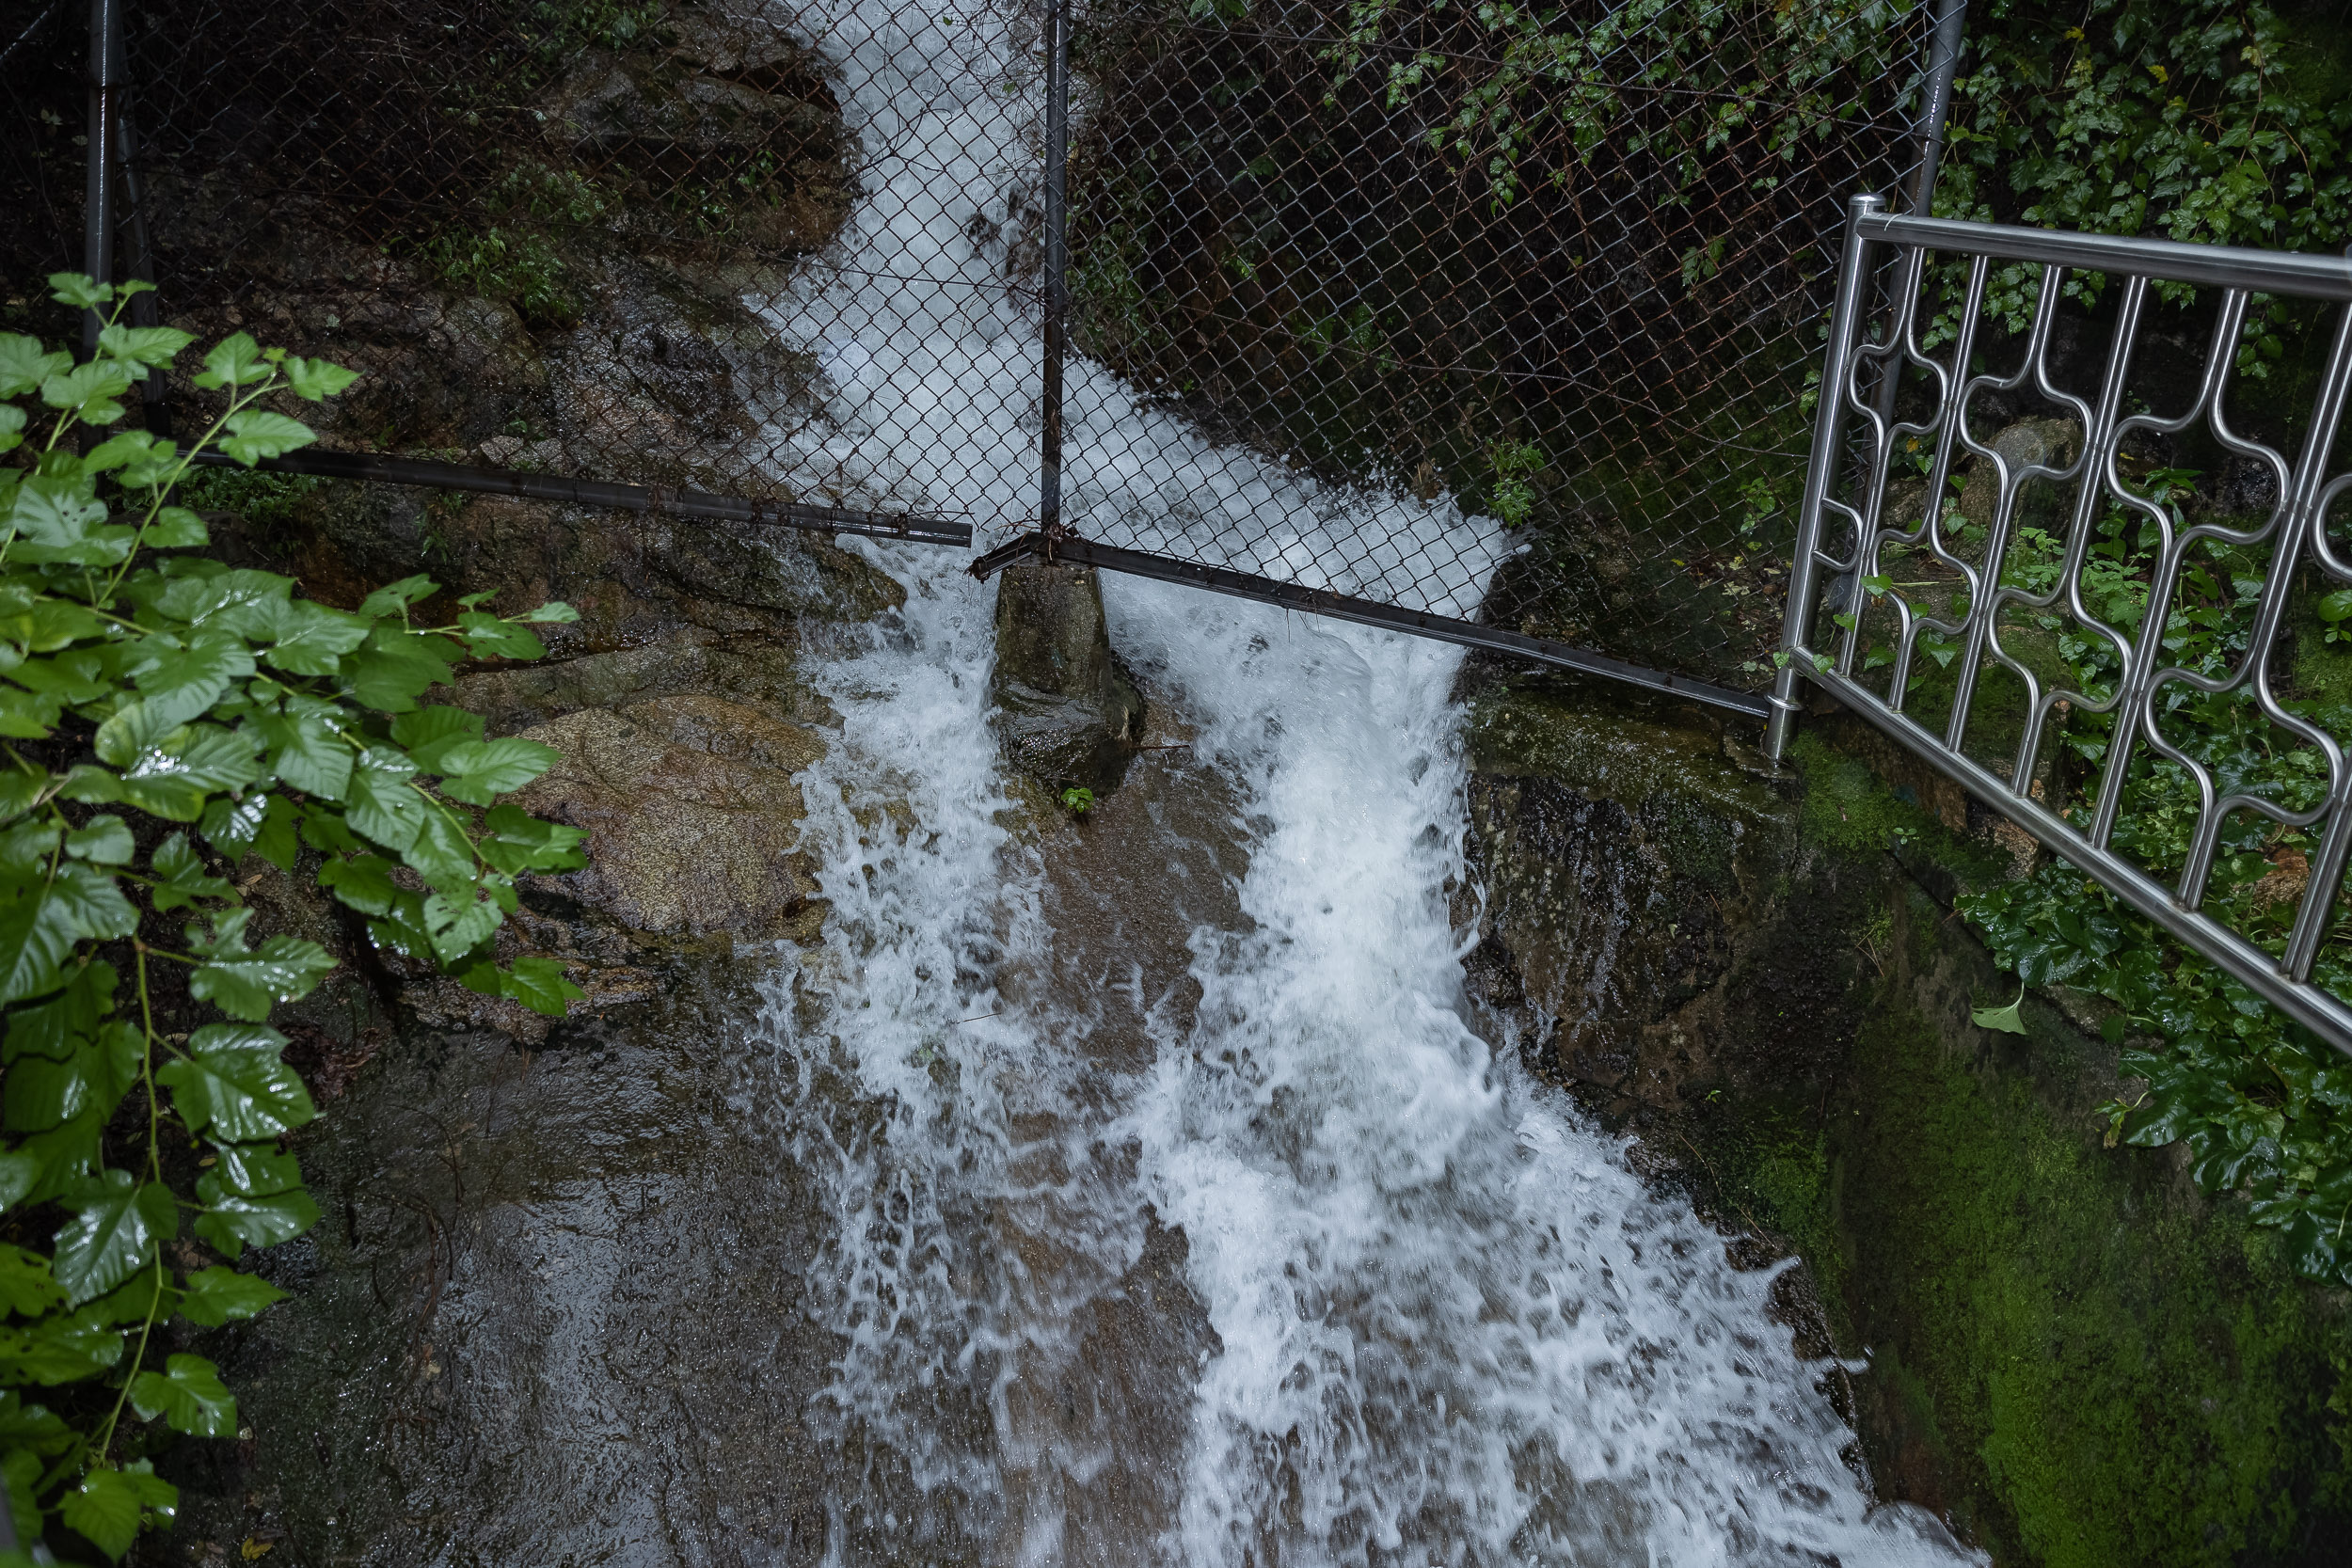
(1277, 1262)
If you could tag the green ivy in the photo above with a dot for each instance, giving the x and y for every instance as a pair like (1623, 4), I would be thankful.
(166, 717)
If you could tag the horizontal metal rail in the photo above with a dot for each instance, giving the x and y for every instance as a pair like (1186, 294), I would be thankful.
(2276, 272)
(1340, 607)
(653, 499)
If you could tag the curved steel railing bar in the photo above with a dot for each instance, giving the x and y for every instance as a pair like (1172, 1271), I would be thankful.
(1844, 534)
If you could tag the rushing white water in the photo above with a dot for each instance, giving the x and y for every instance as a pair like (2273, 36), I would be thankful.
(1449, 1326)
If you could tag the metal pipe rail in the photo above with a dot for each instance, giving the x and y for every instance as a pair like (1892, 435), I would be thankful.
(1831, 622)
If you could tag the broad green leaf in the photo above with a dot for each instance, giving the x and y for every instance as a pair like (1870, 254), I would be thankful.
(315, 379)
(20, 1471)
(251, 603)
(59, 519)
(52, 1028)
(26, 1286)
(176, 527)
(457, 926)
(74, 676)
(36, 936)
(131, 446)
(111, 1505)
(27, 849)
(172, 778)
(44, 624)
(516, 841)
(247, 985)
(19, 789)
(255, 434)
(479, 771)
(401, 928)
(234, 361)
(55, 1163)
(395, 667)
(80, 289)
(394, 597)
(305, 750)
(115, 1229)
(91, 903)
(24, 364)
(143, 345)
(146, 1294)
(31, 1426)
(255, 1170)
(189, 1395)
(215, 1295)
(364, 882)
(441, 855)
(234, 1082)
(312, 639)
(42, 1091)
(11, 429)
(539, 983)
(90, 391)
(428, 733)
(263, 825)
(28, 715)
(380, 801)
(179, 875)
(56, 1350)
(323, 830)
(231, 1222)
(103, 840)
(177, 684)
(488, 637)
(555, 611)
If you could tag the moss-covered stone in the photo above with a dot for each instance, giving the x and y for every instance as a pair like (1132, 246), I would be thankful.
(2070, 1355)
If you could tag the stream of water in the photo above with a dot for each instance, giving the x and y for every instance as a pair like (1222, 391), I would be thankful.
(1177, 1213)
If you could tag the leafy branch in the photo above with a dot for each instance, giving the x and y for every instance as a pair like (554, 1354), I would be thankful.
(163, 715)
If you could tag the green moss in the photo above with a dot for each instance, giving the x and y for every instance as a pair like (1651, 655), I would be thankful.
(1845, 805)
(2113, 1370)
(269, 502)
(1613, 750)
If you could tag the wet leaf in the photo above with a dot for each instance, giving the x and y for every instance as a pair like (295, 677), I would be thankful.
(115, 1226)
(213, 1296)
(234, 1082)
(189, 1395)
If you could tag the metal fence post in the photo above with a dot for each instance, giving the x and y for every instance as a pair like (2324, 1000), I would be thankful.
(105, 83)
(1057, 270)
(1829, 419)
(1943, 65)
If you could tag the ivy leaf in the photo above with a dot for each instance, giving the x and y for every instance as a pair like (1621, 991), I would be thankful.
(115, 1229)
(36, 936)
(247, 985)
(104, 840)
(187, 1393)
(31, 1426)
(19, 789)
(42, 1091)
(177, 684)
(216, 1294)
(26, 1288)
(380, 803)
(144, 1295)
(171, 779)
(255, 433)
(176, 527)
(479, 771)
(55, 1027)
(143, 345)
(234, 361)
(427, 734)
(79, 290)
(181, 878)
(110, 1505)
(234, 1082)
(24, 364)
(315, 379)
(90, 392)
(554, 611)
(50, 1163)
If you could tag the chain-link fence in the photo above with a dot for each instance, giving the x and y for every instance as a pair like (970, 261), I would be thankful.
(1480, 322)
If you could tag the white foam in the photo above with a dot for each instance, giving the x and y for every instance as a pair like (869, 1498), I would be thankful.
(1454, 1327)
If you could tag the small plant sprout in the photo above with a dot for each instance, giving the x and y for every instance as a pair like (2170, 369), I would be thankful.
(1077, 801)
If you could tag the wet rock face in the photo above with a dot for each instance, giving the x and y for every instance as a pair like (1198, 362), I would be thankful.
(1624, 857)
(1068, 715)
(2027, 443)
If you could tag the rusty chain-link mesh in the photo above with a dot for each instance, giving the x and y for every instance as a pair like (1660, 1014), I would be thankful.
(1501, 320)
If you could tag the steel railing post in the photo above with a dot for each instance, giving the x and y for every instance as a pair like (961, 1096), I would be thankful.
(105, 83)
(1829, 417)
(1057, 300)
